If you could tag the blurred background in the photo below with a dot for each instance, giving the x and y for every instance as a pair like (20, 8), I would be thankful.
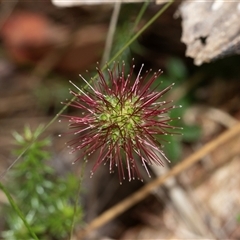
(44, 45)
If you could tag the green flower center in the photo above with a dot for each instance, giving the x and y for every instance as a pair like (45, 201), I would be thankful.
(120, 118)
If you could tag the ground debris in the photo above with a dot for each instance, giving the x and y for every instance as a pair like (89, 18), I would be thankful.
(211, 29)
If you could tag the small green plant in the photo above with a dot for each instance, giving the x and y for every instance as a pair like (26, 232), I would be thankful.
(43, 197)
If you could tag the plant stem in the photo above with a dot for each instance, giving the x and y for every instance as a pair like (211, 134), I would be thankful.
(111, 31)
(17, 210)
(76, 201)
(139, 16)
(151, 21)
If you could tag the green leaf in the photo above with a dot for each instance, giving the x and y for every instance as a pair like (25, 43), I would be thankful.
(18, 137)
(191, 133)
(172, 147)
(176, 69)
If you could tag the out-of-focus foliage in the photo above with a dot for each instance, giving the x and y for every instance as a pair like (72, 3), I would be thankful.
(177, 72)
(43, 197)
(50, 95)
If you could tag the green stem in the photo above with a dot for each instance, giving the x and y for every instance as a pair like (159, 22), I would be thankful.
(139, 16)
(18, 211)
(111, 32)
(151, 21)
(76, 200)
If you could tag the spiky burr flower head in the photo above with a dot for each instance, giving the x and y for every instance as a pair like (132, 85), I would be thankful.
(121, 117)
